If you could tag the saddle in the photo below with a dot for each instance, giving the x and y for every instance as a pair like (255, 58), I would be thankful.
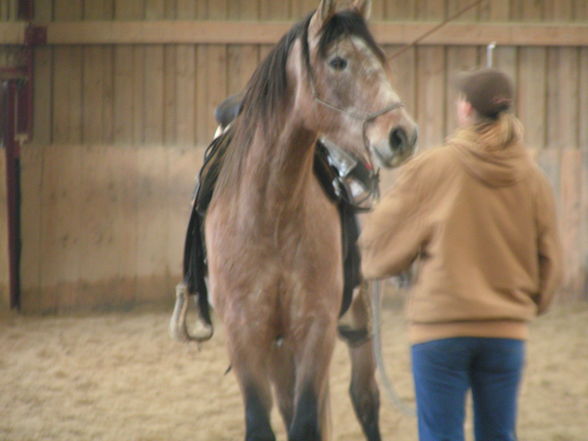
(332, 182)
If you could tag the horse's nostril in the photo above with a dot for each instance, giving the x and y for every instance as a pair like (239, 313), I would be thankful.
(398, 139)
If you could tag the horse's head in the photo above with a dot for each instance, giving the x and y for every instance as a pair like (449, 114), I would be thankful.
(348, 87)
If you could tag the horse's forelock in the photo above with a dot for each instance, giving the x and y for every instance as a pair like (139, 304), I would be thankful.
(346, 24)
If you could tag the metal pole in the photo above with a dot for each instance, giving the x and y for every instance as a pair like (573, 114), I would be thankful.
(490, 54)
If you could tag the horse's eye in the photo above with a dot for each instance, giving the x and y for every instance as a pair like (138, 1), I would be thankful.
(338, 63)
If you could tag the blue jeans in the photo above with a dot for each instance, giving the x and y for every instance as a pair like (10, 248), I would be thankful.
(444, 370)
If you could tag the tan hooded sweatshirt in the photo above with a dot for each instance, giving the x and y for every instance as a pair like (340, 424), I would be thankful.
(479, 218)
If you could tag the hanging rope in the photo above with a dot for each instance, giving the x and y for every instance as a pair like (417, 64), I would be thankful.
(435, 29)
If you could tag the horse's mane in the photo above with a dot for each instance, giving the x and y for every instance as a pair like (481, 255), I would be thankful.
(267, 88)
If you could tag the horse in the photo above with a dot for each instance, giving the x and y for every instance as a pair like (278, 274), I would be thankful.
(273, 237)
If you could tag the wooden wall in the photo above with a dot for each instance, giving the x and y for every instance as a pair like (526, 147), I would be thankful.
(119, 129)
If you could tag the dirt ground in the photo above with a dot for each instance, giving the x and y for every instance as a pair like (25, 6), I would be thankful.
(120, 377)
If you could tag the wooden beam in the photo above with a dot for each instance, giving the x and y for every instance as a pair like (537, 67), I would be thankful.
(516, 34)
(12, 33)
(247, 32)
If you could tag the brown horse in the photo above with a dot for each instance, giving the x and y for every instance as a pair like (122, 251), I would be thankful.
(273, 237)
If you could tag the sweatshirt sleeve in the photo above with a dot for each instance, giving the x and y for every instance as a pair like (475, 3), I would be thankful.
(393, 233)
(549, 248)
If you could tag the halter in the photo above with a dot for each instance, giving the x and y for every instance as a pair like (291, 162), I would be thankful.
(362, 116)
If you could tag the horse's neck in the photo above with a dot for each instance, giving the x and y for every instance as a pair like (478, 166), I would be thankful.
(282, 169)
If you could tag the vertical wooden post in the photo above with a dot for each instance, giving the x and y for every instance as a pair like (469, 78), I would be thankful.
(11, 150)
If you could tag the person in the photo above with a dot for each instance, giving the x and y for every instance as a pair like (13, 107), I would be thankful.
(478, 218)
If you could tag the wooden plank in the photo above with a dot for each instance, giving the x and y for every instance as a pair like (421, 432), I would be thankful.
(242, 62)
(67, 80)
(154, 81)
(562, 83)
(170, 94)
(98, 9)
(61, 228)
(98, 80)
(32, 217)
(185, 94)
(430, 9)
(527, 10)
(403, 69)
(430, 72)
(217, 84)
(183, 163)
(93, 85)
(532, 87)
(152, 219)
(495, 10)
(458, 60)
(4, 248)
(217, 9)
(12, 33)
(456, 6)
(67, 10)
(43, 11)
(138, 88)
(301, 8)
(153, 95)
(170, 9)
(43, 80)
(580, 10)
(126, 192)
(187, 9)
(558, 10)
(154, 9)
(123, 95)
(128, 81)
(274, 10)
(244, 32)
(583, 223)
(431, 86)
(583, 99)
(562, 97)
(570, 220)
(129, 9)
(200, 98)
(378, 10)
(99, 248)
(396, 10)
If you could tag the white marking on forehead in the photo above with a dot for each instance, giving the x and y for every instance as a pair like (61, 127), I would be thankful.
(373, 66)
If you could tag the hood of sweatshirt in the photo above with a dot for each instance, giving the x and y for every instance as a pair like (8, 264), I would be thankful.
(491, 155)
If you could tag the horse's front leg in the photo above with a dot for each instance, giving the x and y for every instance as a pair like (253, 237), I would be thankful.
(363, 388)
(248, 353)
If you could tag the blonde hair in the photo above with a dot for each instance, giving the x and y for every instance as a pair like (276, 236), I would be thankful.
(498, 132)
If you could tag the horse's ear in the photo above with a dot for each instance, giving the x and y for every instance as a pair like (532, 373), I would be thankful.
(325, 10)
(364, 7)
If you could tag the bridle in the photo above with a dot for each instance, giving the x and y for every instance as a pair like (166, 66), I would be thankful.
(364, 117)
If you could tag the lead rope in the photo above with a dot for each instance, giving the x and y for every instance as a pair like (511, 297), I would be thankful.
(376, 299)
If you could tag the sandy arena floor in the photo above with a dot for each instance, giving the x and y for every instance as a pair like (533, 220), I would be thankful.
(119, 377)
